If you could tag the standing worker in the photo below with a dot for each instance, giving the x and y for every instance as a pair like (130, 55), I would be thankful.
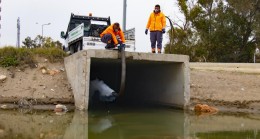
(156, 24)
(113, 36)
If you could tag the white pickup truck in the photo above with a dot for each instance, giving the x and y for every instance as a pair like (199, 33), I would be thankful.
(83, 33)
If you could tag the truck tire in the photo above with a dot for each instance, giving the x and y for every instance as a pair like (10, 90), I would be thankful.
(72, 49)
(79, 46)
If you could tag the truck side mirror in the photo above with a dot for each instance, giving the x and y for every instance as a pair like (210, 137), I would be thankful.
(62, 35)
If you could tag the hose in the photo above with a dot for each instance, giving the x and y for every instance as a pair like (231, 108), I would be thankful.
(171, 31)
(123, 72)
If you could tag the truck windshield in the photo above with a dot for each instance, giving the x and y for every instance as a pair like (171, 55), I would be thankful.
(91, 27)
(76, 23)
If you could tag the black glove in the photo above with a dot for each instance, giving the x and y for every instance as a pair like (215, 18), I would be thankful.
(121, 47)
(163, 30)
(146, 31)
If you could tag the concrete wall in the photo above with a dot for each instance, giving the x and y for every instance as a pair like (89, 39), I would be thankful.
(150, 78)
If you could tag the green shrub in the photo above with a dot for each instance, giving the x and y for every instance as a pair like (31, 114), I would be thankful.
(25, 56)
(8, 61)
(11, 56)
(8, 57)
(52, 54)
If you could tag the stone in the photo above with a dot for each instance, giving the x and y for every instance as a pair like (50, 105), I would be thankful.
(2, 78)
(41, 136)
(203, 108)
(60, 108)
(3, 106)
(62, 69)
(44, 71)
(53, 72)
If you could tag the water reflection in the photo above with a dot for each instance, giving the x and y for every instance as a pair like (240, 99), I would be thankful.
(127, 124)
(32, 125)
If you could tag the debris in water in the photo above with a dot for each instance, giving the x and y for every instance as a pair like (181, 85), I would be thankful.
(60, 108)
(203, 108)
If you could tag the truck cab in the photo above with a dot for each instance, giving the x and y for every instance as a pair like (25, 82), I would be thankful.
(83, 33)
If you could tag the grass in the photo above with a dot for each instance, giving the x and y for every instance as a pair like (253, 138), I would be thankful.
(11, 56)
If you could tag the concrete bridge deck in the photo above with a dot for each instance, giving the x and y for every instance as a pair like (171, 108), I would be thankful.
(157, 78)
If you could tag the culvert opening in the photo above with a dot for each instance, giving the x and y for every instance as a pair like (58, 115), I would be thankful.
(147, 82)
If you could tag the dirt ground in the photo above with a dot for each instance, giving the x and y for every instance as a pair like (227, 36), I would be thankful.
(225, 88)
(31, 84)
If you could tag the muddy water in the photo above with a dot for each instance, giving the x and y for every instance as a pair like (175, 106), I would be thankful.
(122, 123)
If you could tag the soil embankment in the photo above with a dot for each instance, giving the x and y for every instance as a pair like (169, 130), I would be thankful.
(45, 84)
(229, 87)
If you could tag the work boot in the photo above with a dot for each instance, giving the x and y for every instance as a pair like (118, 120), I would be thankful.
(158, 50)
(153, 50)
(109, 46)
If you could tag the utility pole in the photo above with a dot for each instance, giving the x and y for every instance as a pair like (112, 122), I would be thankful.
(18, 32)
(124, 15)
(42, 31)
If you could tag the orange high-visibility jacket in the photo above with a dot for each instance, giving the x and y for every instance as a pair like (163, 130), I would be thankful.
(156, 22)
(111, 31)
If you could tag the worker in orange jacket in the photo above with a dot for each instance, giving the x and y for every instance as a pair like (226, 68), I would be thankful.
(156, 24)
(113, 36)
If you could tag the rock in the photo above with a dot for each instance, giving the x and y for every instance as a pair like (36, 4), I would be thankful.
(3, 106)
(51, 121)
(62, 69)
(203, 108)
(44, 71)
(60, 108)
(53, 72)
(41, 136)
(2, 78)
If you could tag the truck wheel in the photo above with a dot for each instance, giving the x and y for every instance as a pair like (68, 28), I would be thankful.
(72, 51)
(79, 47)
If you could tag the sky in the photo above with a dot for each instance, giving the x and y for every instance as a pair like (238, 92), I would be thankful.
(34, 13)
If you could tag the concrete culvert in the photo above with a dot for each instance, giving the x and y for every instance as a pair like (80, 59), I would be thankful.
(150, 78)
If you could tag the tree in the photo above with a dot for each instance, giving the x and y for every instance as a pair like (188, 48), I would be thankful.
(48, 42)
(39, 41)
(218, 30)
(28, 42)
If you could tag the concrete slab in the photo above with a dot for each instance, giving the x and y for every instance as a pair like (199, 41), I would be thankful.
(150, 78)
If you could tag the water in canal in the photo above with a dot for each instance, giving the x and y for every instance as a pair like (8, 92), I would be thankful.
(124, 123)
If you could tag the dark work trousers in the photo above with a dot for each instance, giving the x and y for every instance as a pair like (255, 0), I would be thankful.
(107, 38)
(156, 36)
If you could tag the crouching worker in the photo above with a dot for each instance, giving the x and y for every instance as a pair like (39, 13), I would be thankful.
(113, 36)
